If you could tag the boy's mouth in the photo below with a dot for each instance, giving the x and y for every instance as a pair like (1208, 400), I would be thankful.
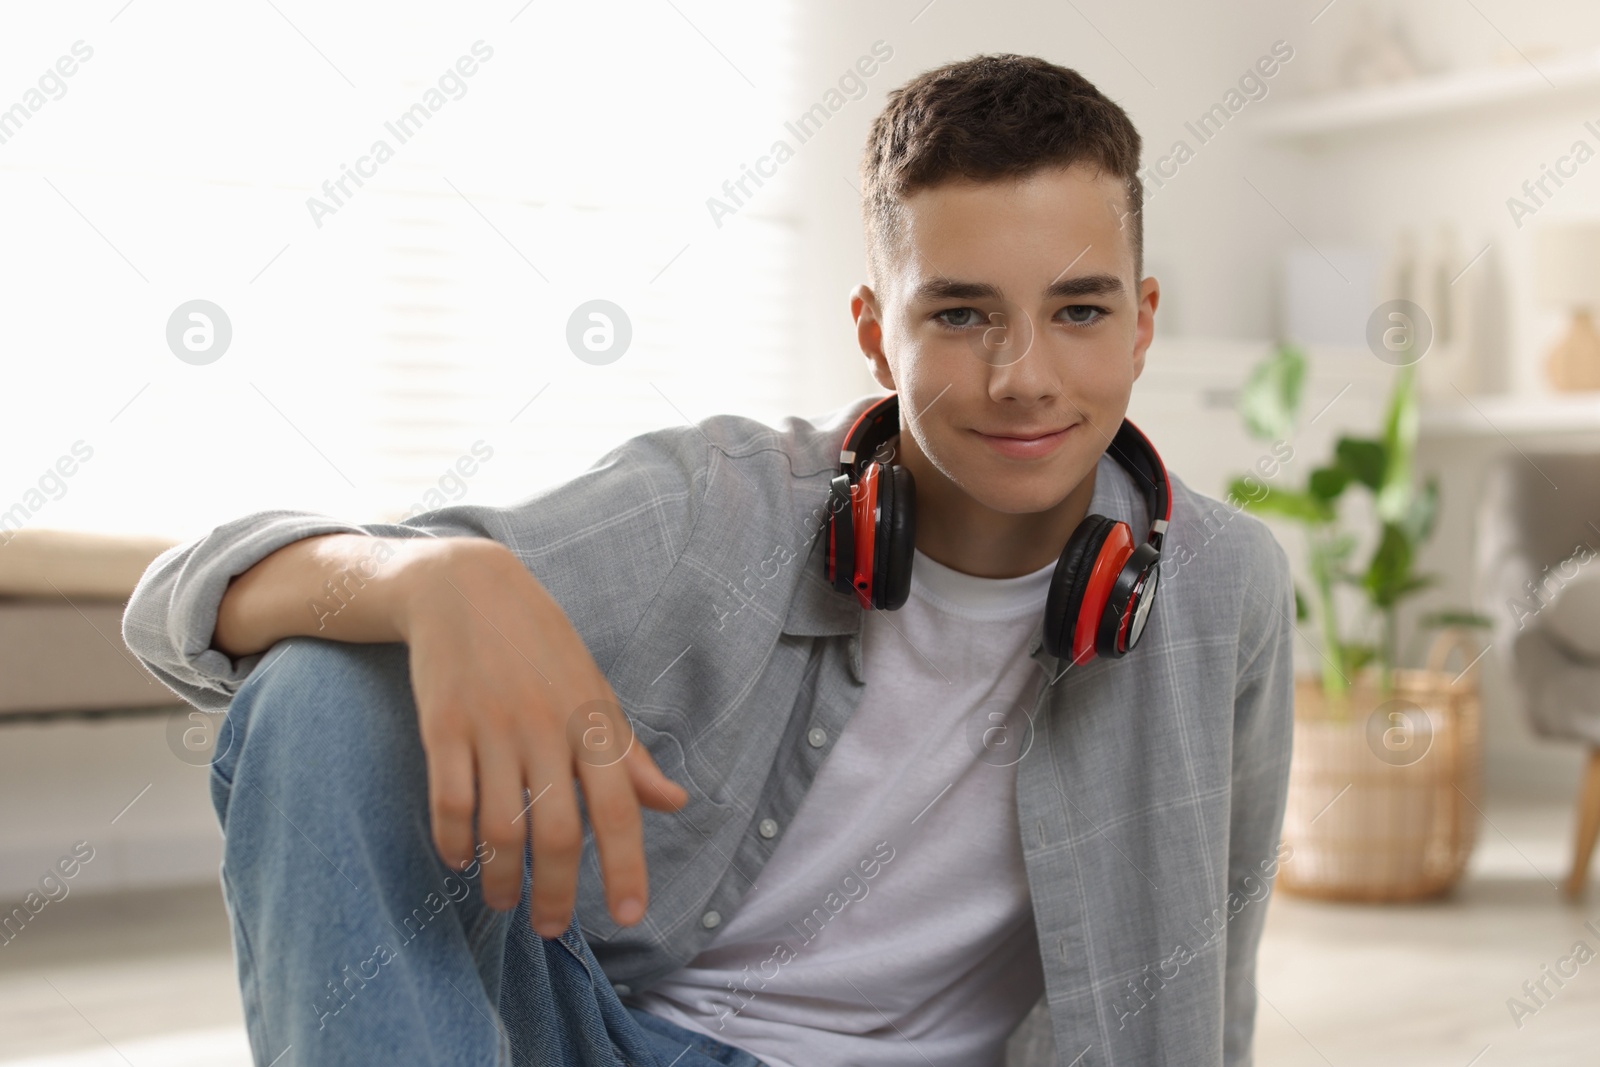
(1026, 444)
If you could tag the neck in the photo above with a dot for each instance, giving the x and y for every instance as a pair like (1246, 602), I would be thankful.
(965, 535)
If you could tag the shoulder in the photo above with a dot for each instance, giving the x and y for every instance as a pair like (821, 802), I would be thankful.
(1203, 525)
(1217, 554)
(713, 495)
(805, 444)
(738, 461)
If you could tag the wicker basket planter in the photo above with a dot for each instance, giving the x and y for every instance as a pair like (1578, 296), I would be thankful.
(1384, 788)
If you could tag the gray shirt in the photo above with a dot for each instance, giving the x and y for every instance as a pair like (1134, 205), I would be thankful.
(1149, 803)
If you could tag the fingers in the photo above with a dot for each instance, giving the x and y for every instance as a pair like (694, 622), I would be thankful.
(501, 821)
(618, 774)
(601, 735)
(451, 799)
(604, 738)
(557, 842)
(654, 789)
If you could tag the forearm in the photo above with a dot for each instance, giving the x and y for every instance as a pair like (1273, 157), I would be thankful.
(344, 587)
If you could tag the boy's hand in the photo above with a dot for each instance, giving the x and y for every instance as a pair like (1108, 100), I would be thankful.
(509, 698)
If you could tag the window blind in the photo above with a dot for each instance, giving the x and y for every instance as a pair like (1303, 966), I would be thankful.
(391, 332)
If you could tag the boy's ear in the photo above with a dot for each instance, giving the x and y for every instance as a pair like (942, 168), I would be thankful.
(1144, 332)
(869, 334)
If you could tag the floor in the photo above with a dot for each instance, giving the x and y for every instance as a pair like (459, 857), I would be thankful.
(1429, 984)
(143, 978)
(146, 978)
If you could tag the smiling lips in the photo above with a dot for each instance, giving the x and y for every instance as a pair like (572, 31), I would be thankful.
(1026, 444)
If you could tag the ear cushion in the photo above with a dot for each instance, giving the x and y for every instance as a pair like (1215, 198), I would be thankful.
(880, 527)
(899, 532)
(1070, 579)
(841, 527)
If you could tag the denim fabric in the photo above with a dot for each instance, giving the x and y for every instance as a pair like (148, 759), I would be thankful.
(355, 943)
(677, 1047)
(1149, 800)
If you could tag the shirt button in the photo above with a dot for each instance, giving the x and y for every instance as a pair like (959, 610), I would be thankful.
(710, 920)
(767, 828)
(621, 988)
(817, 737)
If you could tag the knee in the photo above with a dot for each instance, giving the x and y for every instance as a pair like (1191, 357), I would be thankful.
(314, 709)
(323, 678)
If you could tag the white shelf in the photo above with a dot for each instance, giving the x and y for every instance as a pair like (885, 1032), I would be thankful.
(1511, 416)
(1430, 95)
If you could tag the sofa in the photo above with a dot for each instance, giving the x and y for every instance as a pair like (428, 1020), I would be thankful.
(62, 594)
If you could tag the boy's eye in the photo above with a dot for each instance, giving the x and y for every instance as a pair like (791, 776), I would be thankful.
(959, 317)
(1083, 314)
(967, 317)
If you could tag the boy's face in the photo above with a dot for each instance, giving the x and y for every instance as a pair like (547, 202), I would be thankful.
(1010, 308)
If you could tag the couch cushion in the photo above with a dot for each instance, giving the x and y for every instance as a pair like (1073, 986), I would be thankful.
(56, 563)
(1572, 617)
(1558, 691)
(58, 656)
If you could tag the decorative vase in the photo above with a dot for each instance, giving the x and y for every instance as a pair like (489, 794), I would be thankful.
(1573, 363)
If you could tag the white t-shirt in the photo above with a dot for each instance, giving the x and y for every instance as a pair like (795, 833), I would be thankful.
(893, 926)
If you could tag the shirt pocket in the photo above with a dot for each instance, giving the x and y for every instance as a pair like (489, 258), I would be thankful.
(683, 859)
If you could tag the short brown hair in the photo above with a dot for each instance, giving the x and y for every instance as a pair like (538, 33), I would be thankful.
(990, 117)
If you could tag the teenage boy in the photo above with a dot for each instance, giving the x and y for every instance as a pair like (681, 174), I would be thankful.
(893, 756)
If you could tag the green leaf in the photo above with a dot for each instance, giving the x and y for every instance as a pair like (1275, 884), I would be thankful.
(1388, 575)
(1301, 611)
(1399, 442)
(1271, 394)
(1455, 617)
(1339, 548)
(1412, 584)
(1364, 460)
(1288, 503)
(1358, 656)
(1424, 510)
(1328, 482)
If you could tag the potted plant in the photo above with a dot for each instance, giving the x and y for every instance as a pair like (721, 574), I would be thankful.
(1383, 783)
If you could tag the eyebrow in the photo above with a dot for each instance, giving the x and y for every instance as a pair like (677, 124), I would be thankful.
(1082, 285)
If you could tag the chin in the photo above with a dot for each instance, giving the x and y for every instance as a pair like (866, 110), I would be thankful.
(1016, 491)
(1022, 500)
(1014, 487)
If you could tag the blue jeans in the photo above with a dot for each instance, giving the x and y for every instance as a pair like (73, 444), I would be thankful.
(355, 943)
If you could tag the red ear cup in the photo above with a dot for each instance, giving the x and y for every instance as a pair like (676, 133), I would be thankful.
(872, 534)
(864, 516)
(1097, 606)
(855, 537)
(1068, 582)
(1081, 588)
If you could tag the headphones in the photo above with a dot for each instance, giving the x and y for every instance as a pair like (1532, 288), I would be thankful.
(1103, 585)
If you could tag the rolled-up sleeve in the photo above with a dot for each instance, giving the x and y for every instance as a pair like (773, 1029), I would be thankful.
(627, 518)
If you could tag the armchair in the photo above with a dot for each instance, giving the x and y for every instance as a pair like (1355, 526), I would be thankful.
(1538, 576)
